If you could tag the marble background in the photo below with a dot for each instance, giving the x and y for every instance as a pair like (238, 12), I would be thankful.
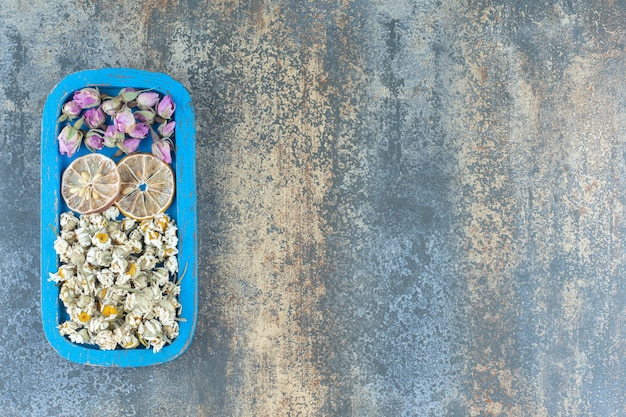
(406, 208)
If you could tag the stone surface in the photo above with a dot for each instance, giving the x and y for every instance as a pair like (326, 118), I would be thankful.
(406, 208)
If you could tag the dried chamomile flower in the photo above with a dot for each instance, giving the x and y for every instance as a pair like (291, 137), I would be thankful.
(68, 221)
(171, 241)
(101, 240)
(145, 225)
(110, 311)
(171, 263)
(147, 262)
(151, 332)
(83, 235)
(150, 250)
(128, 224)
(84, 301)
(61, 247)
(122, 280)
(111, 213)
(68, 327)
(125, 337)
(64, 273)
(114, 226)
(140, 281)
(97, 324)
(161, 222)
(136, 234)
(160, 276)
(85, 278)
(106, 277)
(105, 340)
(68, 295)
(97, 220)
(165, 311)
(116, 295)
(135, 245)
(76, 254)
(118, 237)
(153, 237)
(138, 304)
(133, 319)
(69, 236)
(153, 292)
(158, 343)
(82, 337)
(162, 252)
(171, 230)
(99, 257)
(122, 251)
(171, 330)
(172, 289)
(79, 316)
(118, 265)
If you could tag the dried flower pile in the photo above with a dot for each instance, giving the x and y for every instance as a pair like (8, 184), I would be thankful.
(120, 122)
(116, 280)
(118, 273)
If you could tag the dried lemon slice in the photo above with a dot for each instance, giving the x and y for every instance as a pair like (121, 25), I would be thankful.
(147, 186)
(90, 184)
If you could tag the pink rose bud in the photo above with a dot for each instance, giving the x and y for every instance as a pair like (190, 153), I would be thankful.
(112, 137)
(87, 97)
(70, 139)
(147, 100)
(124, 121)
(71, 110)
(111, 107)
(146, 116)
(162, 149)
(166, 107)
(94, 140)
(140, 131)
(128, 94)
(129, 145)
(94, 117)
(167, 129)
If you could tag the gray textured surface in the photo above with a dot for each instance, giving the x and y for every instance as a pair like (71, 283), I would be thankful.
(405, 208)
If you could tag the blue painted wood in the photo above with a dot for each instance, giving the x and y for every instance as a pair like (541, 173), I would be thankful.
(183, 210)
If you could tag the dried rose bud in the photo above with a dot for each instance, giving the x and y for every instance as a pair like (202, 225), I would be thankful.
(124, 121)
(112, 137)
(147, 100)
(128, 94)
(87, 97)
(94, 117)
(167, 129)
(140, 131)
(129, 146)
(162, 149)
(146, 115)
(166, 107)
(70, 139)
(111, 107)
(71, 110)
(94, 140)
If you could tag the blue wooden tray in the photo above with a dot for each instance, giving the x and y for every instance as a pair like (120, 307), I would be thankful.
(183, 210)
